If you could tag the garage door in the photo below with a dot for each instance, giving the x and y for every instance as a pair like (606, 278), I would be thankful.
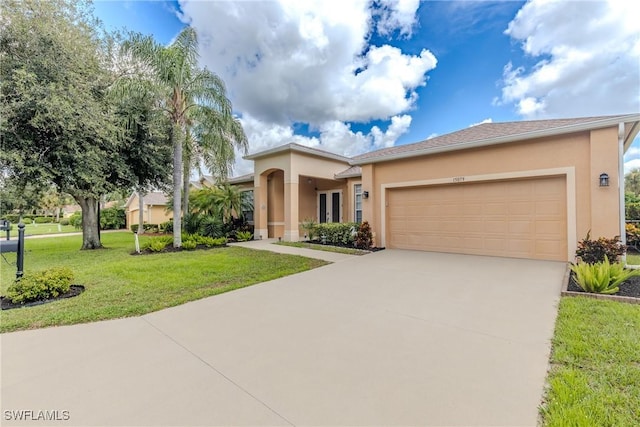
(518, 218)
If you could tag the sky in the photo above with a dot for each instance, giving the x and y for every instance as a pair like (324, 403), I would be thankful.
(352, 76)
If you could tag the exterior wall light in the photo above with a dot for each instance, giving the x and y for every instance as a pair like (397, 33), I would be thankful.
(365, 194)
(604, 180)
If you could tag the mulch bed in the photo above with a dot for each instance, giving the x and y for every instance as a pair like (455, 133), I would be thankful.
(170, 248)
(73, 292)
(630, 288)
(341, 245)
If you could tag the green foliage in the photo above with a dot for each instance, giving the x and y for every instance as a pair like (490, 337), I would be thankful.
(12, 218)
(593, 251)
(633, 235)
(601, 277)
(76, 220)
(211, 226)
(43, 219)
(309, 225)
(243, 236)
(189, 245)
(41, 285)
(200, 240)
(112, 218)
(166, 227)
(337, 233)
(64, 221)
(151, 228)
(364, 238)
(157, 244)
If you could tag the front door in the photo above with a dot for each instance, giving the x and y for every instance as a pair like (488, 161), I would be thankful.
(329, 206)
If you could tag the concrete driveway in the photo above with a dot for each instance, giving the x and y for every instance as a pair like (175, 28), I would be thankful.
(390, 338)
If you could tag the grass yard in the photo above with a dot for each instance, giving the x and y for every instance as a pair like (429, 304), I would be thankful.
(633, 259)
(595, 365)
(325, 248)
(37, 229)
(120, 285)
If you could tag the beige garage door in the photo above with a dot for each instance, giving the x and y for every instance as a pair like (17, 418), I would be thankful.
(518, 218)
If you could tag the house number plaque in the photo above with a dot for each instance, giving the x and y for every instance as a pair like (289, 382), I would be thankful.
(458, 179)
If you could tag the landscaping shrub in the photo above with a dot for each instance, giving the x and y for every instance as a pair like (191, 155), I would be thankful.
(76, 220)
(151, 228)
(27, 219)
(43, 219)
(337, 233)
(243, 236)
(40, 285)
(633, 235)
(158, 243)
(64, 221)
(166, 227)
(112, 218)
(191, 223)
(310, 227)
(211, 226)
(189, 245)
(601, 277)
(593, 251)
(12, 218)
(364, 238)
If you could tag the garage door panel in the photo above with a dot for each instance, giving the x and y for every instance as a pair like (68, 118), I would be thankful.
(518, 218)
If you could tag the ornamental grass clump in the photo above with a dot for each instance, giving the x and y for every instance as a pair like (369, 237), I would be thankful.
(601, 277)
(41, 285)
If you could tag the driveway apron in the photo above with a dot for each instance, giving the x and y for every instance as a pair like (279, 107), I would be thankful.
(390, 338)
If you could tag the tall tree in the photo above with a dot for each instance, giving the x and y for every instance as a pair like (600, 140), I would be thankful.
(211, 139)
(632, 182)
(187, 92)
(57, 124)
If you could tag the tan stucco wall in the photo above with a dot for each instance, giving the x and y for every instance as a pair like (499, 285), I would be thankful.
(290, 199)
(589, 153)
(152, 215)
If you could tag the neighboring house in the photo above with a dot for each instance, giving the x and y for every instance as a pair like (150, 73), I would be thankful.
(527, 189)
(155, 208)
(68, 210)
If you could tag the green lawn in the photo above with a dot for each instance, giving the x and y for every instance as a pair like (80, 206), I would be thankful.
(36, 229)
(120, 285)
(595, 365)
(633, 259)
(325, 248)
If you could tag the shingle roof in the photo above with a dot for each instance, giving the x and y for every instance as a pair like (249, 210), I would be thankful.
(353, 171)
(152, 198)
(492, 133)
(241, 179)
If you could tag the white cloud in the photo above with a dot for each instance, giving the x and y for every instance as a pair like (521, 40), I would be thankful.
(290, 61)
(335, 136)
(631, 165)
(489, 120)
(588, 55)
(397, 14)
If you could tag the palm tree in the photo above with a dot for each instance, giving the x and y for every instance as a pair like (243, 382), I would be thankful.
(185, 91)
(211, 140)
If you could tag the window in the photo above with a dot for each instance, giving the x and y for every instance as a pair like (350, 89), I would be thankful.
(357, 211)
(247, 205)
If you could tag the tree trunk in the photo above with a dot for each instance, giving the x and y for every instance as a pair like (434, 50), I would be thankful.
(90, 222)
(185, 184)
(177, 185)
(140, 212)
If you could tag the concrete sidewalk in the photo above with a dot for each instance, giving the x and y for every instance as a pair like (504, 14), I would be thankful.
(268, 245)
(390, 338)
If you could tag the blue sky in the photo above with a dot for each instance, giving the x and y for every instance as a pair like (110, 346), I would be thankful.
(356, 76)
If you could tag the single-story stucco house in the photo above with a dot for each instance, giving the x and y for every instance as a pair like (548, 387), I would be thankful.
(528, 189)
(154, 211)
